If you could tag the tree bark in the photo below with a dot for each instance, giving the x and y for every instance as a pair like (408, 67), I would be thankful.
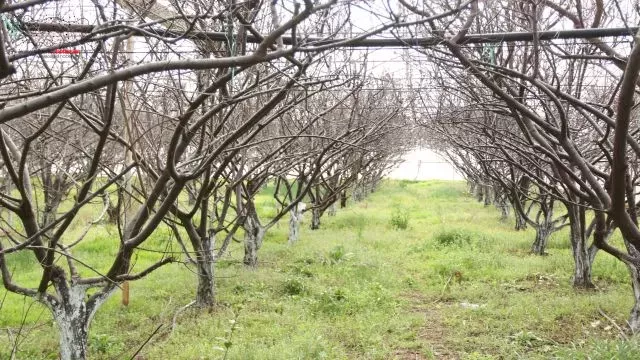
(191, 197)
(294, 224)
(253, 237)
(206, 291)
(539, 246)
(487, 195)
(358, 193)
(332, 210)
(634, 317)
(521, 224)
(634, 271)
(343, 199)
(582, 256)
(583, 262)
(73, 315)
(315, 219)
(505, 208)
(479, 192)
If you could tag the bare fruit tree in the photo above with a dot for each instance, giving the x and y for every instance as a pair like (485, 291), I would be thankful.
(567, 99)
(73, 121)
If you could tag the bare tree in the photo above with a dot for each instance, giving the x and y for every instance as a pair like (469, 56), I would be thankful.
(71, 108)
(564, 118)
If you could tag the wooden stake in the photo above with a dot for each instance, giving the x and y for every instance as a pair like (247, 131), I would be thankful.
(125, 293)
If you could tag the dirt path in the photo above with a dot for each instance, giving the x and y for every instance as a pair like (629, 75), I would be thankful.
(433, 333)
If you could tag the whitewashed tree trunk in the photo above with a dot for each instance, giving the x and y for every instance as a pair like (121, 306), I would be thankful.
(73, 315)
(253, 237)
(294, 224)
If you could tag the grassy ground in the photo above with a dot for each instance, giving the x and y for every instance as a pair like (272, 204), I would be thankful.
(457, 283)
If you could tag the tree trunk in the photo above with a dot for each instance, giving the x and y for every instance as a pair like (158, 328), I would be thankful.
(542, 237)
(357, 193)
(582, 257)
(583, 264)
(583, 261)
(521, 224)
(634, 271)
(253, 237)
(73, 337)
(73, 316)
(479, 192)
(343, 199)
(206, 291)
(191, 197)
(634, 317)
(487, 195)
(472, 187)
(332, 210)
(504, 207)
(294, 224)
(315, 219)
(504, 212)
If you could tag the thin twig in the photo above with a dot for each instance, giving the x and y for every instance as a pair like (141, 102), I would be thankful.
(175, 316)
(620, 330)
(446, 285)
(146, 341)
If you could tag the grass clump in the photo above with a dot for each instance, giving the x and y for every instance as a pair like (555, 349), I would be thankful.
(454, 237)
(331, 302)
(301, 270)
(613, 349)
(336, 255)
(399, 220)
(293, 287)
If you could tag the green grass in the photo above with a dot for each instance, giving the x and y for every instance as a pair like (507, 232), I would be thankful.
(455, 282)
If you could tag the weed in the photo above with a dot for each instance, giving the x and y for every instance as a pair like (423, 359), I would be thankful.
(331, 302)
(306, 261)
(352, 220)
(455, 237)
(622, 350)
(239, 289)
(528, 339)
(301, 270)
(336, 255)
(105, 344)
(403, 184)
(293, 287)
(399, 220)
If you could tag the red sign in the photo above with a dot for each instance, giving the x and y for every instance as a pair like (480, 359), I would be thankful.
(66, 51)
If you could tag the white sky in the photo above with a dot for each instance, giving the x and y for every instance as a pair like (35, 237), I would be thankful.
(424, 164)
